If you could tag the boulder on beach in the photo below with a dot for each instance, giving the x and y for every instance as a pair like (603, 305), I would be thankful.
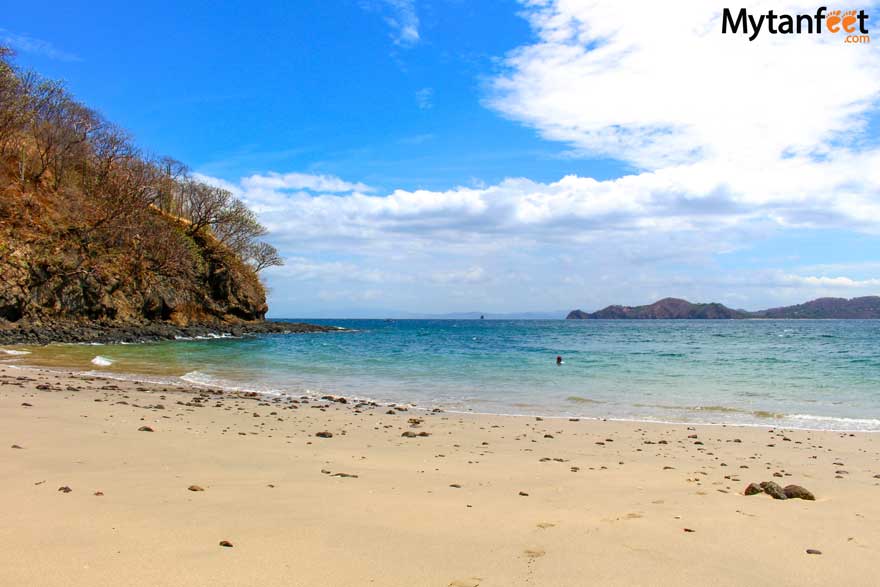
(773, 489)
(798, 492)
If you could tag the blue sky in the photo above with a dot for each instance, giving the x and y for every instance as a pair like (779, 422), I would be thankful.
(444, 155)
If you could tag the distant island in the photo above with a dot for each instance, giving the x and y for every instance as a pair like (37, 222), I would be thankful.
(867, 307)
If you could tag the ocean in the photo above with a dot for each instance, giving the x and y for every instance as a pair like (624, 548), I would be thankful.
(814, 374)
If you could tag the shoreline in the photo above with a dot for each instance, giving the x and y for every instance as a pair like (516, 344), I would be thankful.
(78, 332)
(605, 502)
(775, 421)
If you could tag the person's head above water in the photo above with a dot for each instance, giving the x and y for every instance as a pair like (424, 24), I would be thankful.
(558, 359)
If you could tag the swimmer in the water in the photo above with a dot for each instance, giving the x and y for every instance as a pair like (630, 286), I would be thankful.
(558, 359)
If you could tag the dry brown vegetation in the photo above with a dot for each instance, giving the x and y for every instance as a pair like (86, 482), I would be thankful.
(92, 227)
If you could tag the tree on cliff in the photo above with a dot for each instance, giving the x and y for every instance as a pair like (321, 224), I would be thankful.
(89, 215)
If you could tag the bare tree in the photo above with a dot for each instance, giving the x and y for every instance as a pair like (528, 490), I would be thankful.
(203, 204)
(262, 255)
(58, 125)
(237, 227)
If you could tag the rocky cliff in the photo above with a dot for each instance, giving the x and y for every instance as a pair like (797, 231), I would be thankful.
(61, 279)
(98, 239)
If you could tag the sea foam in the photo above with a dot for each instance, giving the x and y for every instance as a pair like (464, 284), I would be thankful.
(102, 361)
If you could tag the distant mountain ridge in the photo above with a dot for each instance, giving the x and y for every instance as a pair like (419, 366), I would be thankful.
(867, 307)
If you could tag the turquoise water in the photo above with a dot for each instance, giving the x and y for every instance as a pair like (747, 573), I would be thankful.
(822, 374)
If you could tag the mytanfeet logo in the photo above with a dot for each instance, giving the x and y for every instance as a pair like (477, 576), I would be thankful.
(852, 24)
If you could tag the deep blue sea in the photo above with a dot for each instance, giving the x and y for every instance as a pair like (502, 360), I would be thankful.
(822, 374)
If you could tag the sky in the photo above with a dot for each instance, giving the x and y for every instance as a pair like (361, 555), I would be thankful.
(433, 156)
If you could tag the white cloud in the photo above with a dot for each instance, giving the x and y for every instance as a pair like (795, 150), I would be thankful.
(301, 181)
(401, 17)
(657, 83)
(831, 282)
(425, 98)
(28, 44)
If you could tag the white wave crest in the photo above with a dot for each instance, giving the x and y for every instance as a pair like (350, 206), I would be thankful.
(102, 361)
(14, 352)
(872, 424)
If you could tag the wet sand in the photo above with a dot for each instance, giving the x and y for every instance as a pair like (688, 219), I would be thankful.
(476, 500)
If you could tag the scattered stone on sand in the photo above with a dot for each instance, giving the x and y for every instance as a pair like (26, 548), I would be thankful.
(523, 493)
(409, 434)
(798, 492)
(688, 529)
(324, 434)
(813, 551)
(145, 429)
(344, 475)
(65, 489)
(773, 489)
(195, 488)
(26, 405)
(98, 494)
(226, 544)
(16, 446)
(455, 485)
(753, 489)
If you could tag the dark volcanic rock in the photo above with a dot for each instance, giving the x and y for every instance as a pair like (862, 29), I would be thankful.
(753, 489)
(46, 331)
(773, 489)
(798, 492)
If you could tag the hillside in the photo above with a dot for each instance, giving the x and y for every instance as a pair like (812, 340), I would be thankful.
(677, 309)
(667, 308)
(97, 236)
(867, 307)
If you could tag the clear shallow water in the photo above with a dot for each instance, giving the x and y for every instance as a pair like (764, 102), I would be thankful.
(821, 374)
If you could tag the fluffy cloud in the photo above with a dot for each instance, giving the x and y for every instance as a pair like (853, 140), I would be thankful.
(301, 181)
(401, 17)
(657, 83)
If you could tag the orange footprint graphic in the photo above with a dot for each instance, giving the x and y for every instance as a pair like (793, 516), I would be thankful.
(849, 21)
(833, 21)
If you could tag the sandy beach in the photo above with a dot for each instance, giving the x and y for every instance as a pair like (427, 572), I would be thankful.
(460, 500)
